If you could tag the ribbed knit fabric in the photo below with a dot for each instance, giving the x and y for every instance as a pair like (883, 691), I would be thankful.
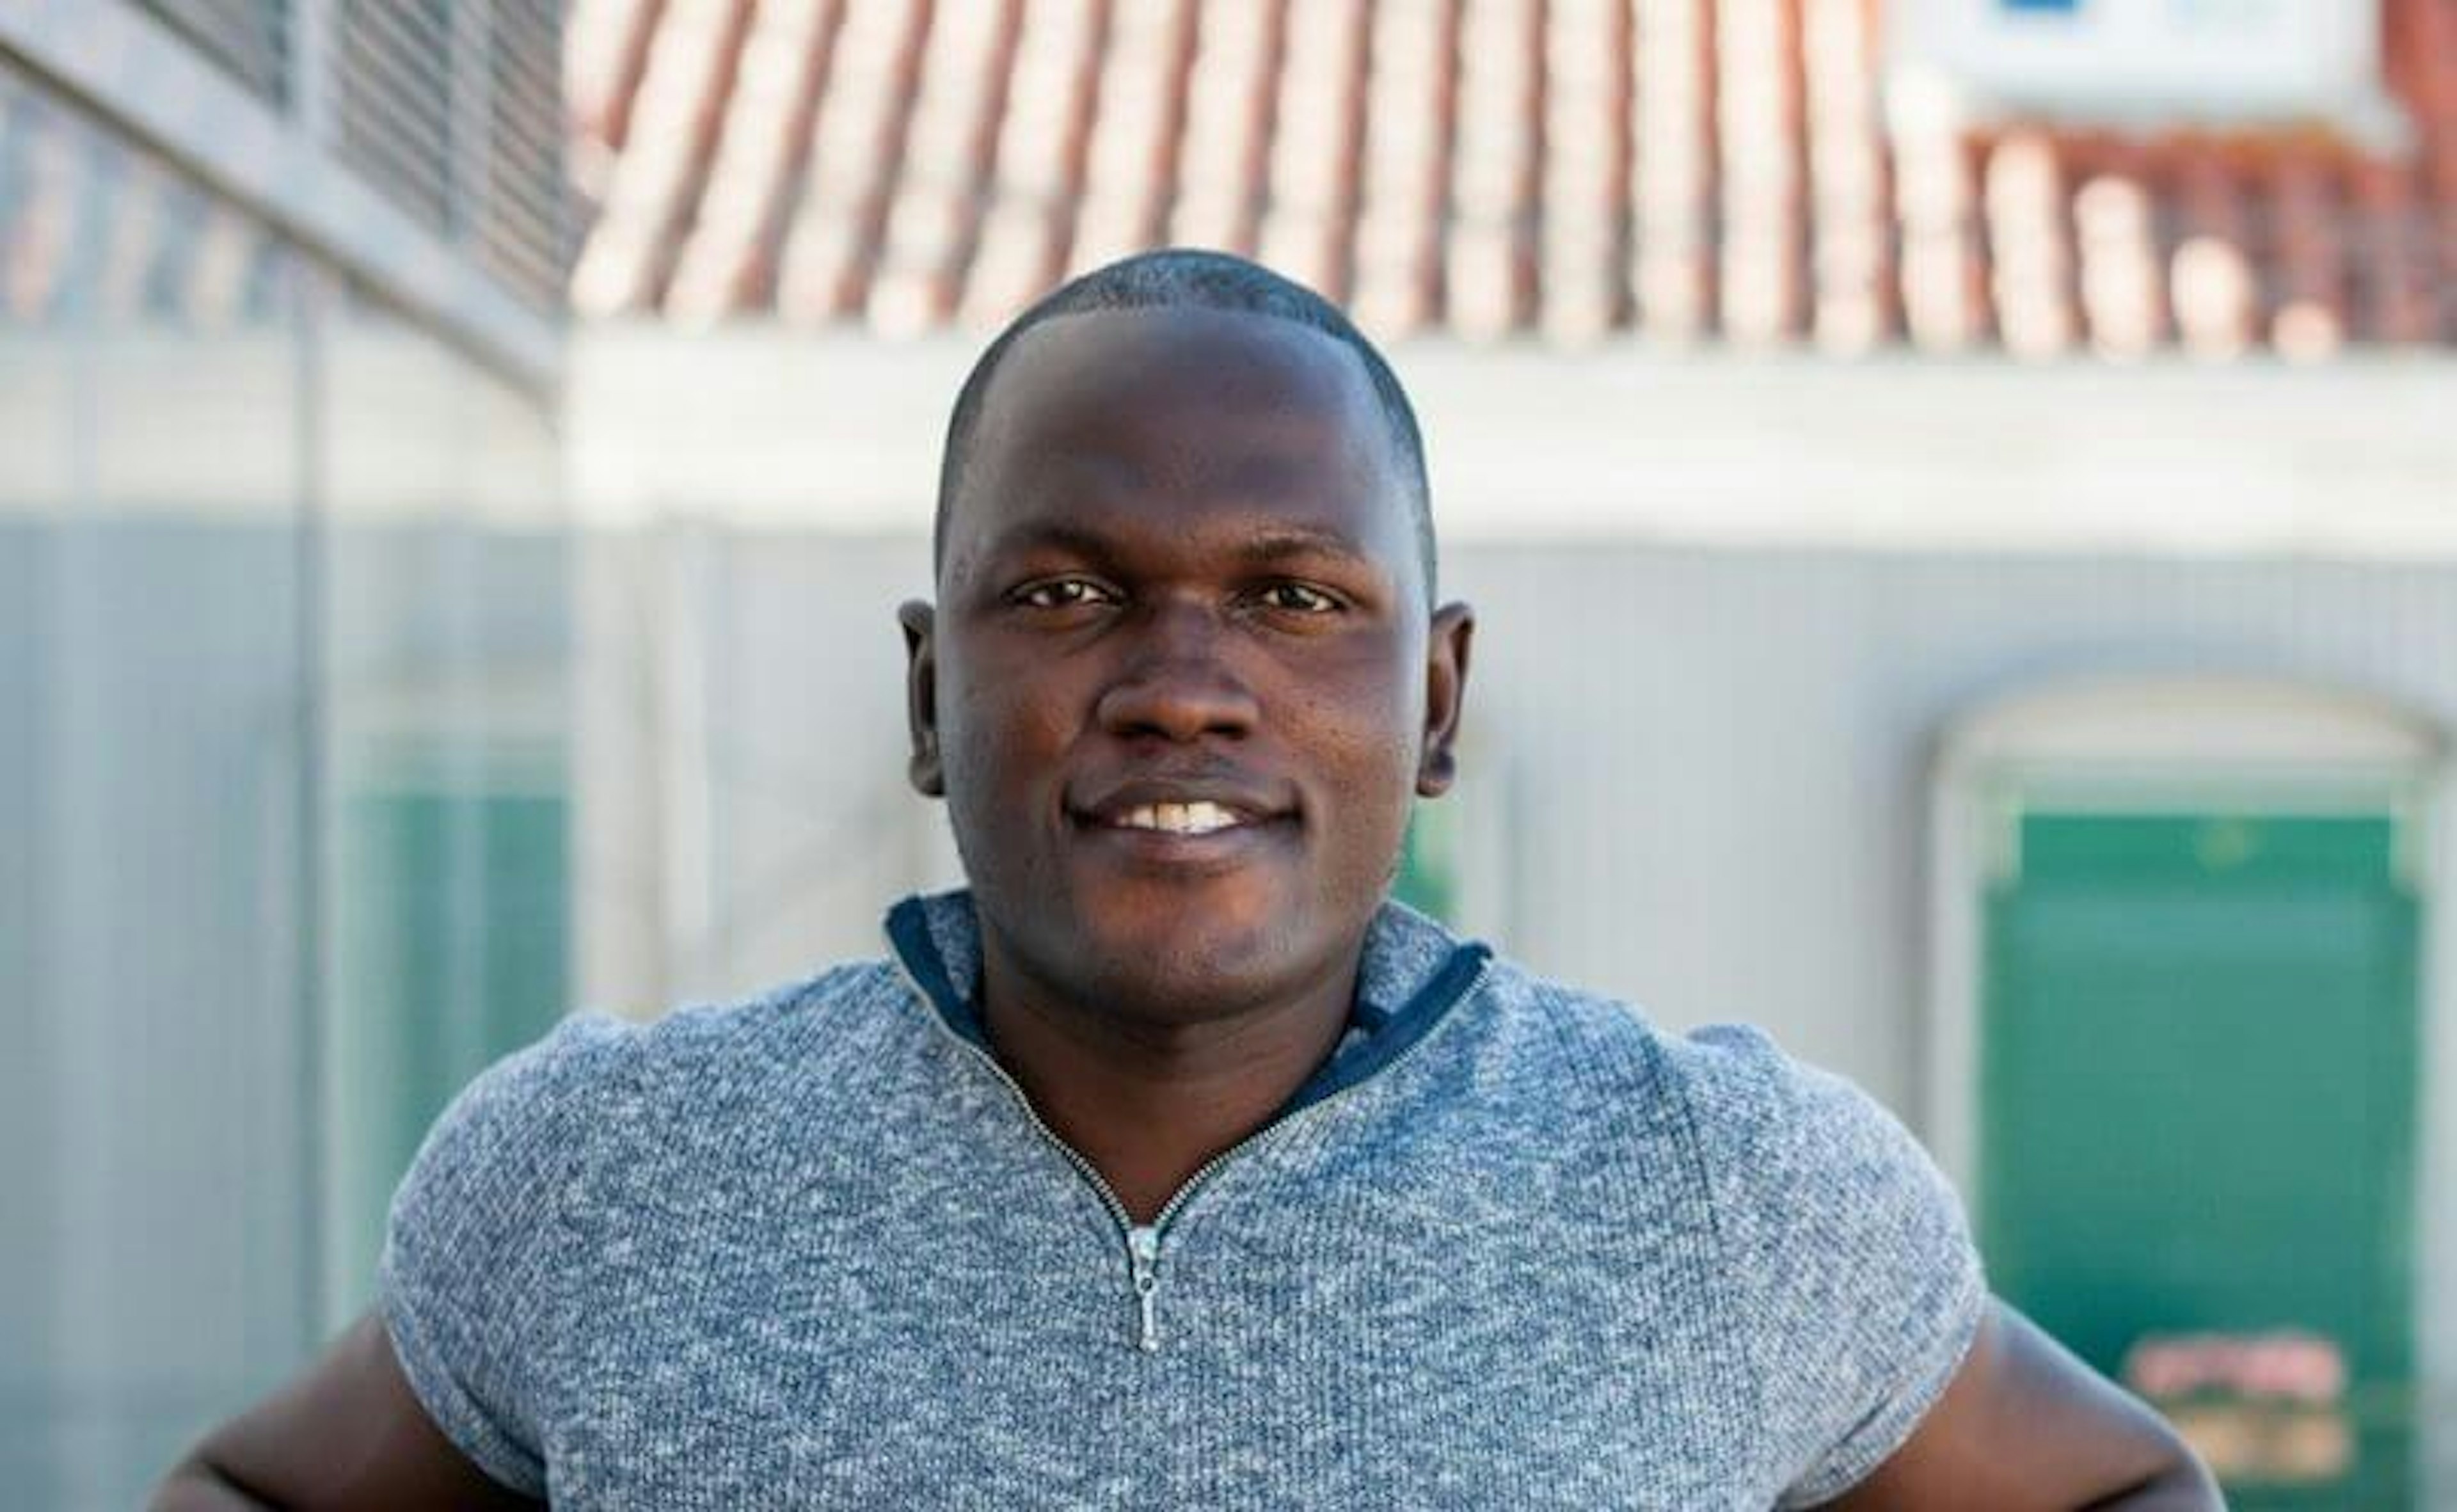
(1514, 1249)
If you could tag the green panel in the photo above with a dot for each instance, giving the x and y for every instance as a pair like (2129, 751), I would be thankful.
(527, 979)
(1428, 879)
(2199, 1094)
(452, 940)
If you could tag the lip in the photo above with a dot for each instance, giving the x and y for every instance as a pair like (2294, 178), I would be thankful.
(1180, 856)
(1265, 820)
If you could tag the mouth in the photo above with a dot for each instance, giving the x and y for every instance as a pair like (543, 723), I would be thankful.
(1178, 827)
(1201, 816)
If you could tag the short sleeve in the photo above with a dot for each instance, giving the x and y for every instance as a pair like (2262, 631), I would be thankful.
(466, 1255)
(1856, 1282)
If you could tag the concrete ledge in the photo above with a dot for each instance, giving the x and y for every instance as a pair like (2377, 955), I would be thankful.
(766, 428)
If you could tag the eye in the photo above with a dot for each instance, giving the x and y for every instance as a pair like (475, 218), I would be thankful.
(1298, 598)
(1059, 592)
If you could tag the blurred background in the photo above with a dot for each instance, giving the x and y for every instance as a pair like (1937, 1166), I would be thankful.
(1961, 497)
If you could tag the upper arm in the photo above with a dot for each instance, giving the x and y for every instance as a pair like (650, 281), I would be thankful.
(348, 1433)
(472, 1287)
(2025, 1425)
(435, 1397)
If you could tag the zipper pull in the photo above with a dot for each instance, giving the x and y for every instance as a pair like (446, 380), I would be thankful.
(1142, 1251)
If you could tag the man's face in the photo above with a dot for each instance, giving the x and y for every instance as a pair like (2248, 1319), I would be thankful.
(1181, 684)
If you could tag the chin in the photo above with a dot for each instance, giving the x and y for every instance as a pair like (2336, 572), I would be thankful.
(1186, 966)
(1166, 944)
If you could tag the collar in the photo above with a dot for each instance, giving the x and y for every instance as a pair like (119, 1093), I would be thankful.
(1412, 973)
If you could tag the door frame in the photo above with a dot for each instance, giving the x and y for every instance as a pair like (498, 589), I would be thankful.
(2114, 744)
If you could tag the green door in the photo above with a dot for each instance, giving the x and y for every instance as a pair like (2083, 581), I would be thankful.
(2197, 1108)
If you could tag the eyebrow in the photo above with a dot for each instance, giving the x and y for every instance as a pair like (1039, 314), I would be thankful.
(1279, 542)
(1047, 535)
(1275, 543)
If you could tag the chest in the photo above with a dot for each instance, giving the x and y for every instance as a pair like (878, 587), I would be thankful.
(1392, 1345)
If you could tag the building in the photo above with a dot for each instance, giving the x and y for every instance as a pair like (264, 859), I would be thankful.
(1960, 499)
(283, 633)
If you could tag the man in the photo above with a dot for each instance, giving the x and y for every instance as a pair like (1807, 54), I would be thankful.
(1171, 1165)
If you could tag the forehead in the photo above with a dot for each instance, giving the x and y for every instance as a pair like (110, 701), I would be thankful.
(1176, 417)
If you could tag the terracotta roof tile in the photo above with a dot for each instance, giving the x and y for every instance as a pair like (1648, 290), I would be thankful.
(1849, 209)
(831, 239)
(1489, 232)
(1309, 192)
(1584, 167)
(1566, 170)
(1231, 103)
(2123, 283)
(1037, 169)
(1673, 153)
(1410, 107)
(606, 45)
(1758, 119)
(933, 211)
(726, 259)
(1135, 112)
(653, 193)
(2031, 247)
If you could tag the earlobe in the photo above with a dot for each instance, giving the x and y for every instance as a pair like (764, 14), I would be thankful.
(1445, 658)
(923, 768)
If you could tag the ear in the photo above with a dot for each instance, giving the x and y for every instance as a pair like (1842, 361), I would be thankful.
(923, 770)
(1446, 649)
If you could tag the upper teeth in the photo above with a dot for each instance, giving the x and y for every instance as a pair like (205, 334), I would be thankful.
(1178, 818)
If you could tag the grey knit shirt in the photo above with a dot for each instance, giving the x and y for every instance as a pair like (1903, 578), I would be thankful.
(1512, 1247)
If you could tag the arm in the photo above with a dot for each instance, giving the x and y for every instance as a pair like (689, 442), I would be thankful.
(2024, 1425)
(348, 1433)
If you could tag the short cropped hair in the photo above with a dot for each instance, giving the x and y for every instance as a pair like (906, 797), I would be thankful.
(1185, 278)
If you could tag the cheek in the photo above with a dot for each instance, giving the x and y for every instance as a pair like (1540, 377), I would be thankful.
(1003, 740)
(1373, 706)
(1000, 728)
(1369, 741)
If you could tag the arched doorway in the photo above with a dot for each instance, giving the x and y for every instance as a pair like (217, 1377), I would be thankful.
(2181, 1062)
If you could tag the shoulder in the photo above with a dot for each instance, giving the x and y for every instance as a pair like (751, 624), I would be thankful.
(1731, 1084)
(1845, 1276)
(1587, 1083)
(1594, 1055)
(535, 1116)
(713, 1050)
(501, 1168)
(702, 1044)
(1797, 1168)
(1767, 1118)
(1579, 1039)
(1805, 1168)
(521, 1112)
(1856, 1289)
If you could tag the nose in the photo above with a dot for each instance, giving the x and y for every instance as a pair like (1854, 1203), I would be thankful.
(1175, 685)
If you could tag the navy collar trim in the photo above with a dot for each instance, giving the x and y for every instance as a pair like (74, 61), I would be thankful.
(908, 934)
(935, 939)
(1398, 1032)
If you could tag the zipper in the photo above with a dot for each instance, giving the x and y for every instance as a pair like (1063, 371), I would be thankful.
(1142, 1251)
(1143, 1240)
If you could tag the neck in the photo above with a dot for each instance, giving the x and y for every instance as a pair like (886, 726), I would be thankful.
(1146, 1101)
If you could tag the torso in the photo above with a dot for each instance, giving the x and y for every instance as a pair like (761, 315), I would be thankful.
(932, 1305)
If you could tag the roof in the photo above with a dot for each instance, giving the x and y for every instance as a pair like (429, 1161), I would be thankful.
(1572, 170)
